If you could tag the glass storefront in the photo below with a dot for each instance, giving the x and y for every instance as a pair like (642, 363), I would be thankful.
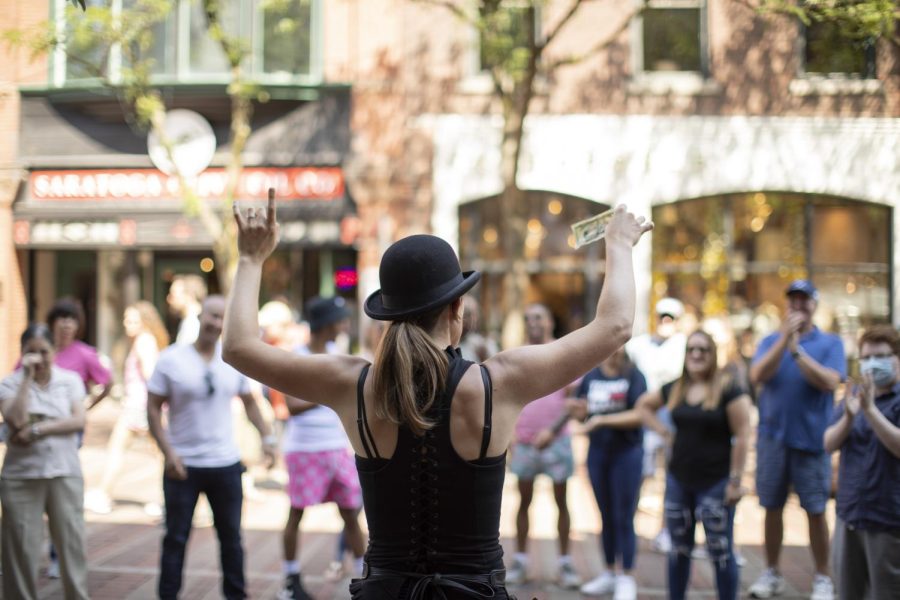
(731, 257)
(566, 280)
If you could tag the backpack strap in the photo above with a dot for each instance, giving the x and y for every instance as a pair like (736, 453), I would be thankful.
(365, 434)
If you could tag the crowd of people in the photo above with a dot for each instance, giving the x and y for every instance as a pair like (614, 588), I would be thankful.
(416, 431)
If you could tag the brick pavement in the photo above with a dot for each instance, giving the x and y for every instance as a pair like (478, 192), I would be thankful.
(123, 547)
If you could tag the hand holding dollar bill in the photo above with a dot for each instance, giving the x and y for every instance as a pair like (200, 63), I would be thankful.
(591, 229)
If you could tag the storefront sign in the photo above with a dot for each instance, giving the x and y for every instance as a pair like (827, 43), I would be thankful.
(298, 183)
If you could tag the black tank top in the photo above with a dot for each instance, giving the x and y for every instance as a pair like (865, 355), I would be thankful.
(429, 510)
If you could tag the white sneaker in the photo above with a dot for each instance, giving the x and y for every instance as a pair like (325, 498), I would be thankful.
(769, 584)
(53, 569)
(568, 578)
(822, 588)
(700, 553)
(152, 509)
(663, 541)
(605, 583)
(98, 502)
(626, 588)
(516, 573)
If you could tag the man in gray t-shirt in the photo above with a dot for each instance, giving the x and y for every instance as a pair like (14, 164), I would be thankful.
(200, 452)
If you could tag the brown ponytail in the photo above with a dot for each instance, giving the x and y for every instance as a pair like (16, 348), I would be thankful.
(410, 371)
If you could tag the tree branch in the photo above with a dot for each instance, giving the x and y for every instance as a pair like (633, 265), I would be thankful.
(551, 35)
(575, 58)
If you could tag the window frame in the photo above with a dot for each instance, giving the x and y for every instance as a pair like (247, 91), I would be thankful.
(177, 26)
(644, 81)
(806, 83)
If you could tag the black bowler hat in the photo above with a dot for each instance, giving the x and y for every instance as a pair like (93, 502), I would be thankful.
(322, 312)
(417, 274)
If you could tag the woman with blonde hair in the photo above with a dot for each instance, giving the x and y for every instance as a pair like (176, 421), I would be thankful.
(711, 412)
(147, 335)
(429, 429)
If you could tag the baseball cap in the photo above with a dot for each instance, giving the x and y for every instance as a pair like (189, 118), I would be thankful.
(803, 286)
(321, 312)
(670, 306)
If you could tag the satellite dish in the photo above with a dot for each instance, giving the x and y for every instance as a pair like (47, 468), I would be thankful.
(193, 144)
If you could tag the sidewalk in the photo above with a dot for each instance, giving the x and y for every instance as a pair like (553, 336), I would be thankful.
(123, 547)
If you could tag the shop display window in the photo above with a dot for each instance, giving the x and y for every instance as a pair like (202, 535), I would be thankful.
(732, 257)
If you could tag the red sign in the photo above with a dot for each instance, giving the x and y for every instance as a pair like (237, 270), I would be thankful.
(295, 183)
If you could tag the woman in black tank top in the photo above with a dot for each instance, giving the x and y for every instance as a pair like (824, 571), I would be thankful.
(429, 429)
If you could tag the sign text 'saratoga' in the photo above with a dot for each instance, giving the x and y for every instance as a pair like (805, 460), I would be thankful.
(296, 183)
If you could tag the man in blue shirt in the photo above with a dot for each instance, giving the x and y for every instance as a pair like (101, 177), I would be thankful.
(866, 429)
(799, 368)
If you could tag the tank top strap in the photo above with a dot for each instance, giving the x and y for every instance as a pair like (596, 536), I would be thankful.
(458, 368)
(365, 434)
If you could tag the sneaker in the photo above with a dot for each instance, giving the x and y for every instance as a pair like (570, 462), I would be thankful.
(152, 509)
(605, 583)
(568, 578)
(626, 588)
(700, 553)
(515, 574)
(769, 584)
(98, 502)
(293, 589)
(663, 542)
(53, 569)
(740, 559)
(822, 588)
(334, 572)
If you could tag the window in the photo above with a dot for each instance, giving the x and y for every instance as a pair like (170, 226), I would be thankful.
(672, 37)
(510, 31)
(281, 36)
(827, 51)
(733, 256)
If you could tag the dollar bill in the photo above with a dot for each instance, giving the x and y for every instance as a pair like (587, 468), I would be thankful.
(591, 229)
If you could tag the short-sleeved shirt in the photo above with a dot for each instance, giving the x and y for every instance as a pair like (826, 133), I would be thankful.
(541, 414)
(661, 361)
(791, 410)
(317, 429)
(607, 395)
(200, 424)
(868, 493)
(701, 453)
(52, 455)
(82, 359)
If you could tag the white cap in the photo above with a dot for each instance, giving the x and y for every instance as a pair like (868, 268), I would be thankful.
(670, 306)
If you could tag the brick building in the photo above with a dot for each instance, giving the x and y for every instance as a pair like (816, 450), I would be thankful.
(763, 150)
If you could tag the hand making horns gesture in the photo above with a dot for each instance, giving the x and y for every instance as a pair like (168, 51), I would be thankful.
(258, 230)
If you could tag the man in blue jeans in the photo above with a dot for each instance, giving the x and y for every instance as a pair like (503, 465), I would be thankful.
(199, 448)
(799, 368)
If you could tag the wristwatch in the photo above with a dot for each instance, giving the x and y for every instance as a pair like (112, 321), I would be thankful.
(35, 431)
(795, 354)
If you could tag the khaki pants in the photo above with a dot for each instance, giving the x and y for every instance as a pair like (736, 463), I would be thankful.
(866, 563)
(24, 502)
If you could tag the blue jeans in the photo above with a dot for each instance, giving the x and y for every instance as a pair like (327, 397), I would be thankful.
(222, 486)
(616, 479)
(685, 506)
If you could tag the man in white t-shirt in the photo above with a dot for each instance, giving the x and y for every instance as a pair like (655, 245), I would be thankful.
(317, 453)
(201, 455)
(660, 357)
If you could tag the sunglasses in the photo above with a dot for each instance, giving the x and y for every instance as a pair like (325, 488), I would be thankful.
(210, 384)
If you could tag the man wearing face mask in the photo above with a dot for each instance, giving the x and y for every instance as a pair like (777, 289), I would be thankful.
(799, 367)
(866, 429)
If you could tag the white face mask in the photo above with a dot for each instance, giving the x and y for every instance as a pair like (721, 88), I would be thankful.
(881, 369)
